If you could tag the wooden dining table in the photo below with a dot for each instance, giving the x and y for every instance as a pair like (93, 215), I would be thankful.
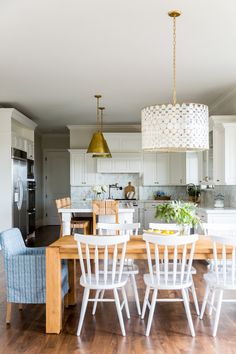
(66, 248)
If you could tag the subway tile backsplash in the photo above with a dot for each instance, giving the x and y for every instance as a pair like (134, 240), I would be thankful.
(145, 193)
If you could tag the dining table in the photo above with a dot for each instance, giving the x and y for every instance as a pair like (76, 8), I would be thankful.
(66, 248)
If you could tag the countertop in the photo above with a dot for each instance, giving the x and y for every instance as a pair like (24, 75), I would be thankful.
(86, 207)
(227, 210)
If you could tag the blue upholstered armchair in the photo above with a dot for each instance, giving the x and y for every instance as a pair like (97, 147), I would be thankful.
(25, 271)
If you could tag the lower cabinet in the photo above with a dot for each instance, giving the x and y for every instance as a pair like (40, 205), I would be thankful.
(217, 216)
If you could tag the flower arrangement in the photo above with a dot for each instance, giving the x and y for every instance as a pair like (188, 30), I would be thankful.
(179, 212)
(99, 190)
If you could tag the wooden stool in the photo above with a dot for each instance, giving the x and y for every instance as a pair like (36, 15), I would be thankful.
(104, 207)
(76, 223)
(80, 224)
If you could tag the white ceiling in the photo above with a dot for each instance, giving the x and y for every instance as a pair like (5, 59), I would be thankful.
(56, 54)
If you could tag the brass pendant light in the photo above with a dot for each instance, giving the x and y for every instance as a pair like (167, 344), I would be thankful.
(101, 120)
(98, 145)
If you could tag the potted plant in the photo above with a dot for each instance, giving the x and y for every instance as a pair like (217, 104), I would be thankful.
(193, 192)
(179, 212)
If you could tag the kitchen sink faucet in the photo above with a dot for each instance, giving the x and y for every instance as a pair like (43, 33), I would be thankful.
(114, 186)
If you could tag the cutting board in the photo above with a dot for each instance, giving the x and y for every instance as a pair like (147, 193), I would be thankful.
(129, 191)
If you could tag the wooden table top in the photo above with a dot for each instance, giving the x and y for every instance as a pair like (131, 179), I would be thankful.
(136, 248)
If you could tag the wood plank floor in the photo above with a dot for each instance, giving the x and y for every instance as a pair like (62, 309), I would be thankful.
(101, 333)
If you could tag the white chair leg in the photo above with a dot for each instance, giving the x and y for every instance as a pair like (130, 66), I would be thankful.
(195, 299)
(126, 302)
(134, 285)
(118, 308)
(188, 313)
(145, 301)
(83, 310)
(150, 317)
(207, 291)
(212, 302)
(218, 313)
(95, 302)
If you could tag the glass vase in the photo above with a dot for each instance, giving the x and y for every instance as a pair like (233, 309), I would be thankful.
(184, 229)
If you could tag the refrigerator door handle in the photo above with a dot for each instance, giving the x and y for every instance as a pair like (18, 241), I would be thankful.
(20, 187)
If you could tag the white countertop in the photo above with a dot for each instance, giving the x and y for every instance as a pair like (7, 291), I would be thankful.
(218, 210)
(86, 207)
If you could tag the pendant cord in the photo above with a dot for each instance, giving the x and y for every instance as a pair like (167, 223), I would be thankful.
(98, 113)
(174, 61)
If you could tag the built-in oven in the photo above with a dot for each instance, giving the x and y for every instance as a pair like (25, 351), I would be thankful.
(30, 169)
(31, 217)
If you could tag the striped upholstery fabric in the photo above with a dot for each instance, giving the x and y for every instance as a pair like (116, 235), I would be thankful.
(25, 270)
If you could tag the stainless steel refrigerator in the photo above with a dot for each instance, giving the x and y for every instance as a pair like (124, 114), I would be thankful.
(19, 203)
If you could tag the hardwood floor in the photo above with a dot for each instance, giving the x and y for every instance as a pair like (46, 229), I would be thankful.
(101, 333)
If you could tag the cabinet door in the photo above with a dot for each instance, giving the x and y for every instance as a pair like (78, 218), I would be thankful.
(90, 170)
(192, 168)
(230, 150)
(162, 168)
(77, 169)
(30, 150)
(149, 169)
(178, 168)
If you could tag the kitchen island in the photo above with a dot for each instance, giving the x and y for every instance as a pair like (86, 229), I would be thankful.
(84, 208)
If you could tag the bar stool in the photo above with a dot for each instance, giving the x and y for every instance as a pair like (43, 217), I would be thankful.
(104, 207)
(76, 222)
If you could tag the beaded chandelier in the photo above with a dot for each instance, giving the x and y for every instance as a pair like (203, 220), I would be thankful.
(175, 127)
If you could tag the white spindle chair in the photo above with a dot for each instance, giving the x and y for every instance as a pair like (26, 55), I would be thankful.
(169, 278)
(223, 277)
(107, 276)
(130, 268)
(176, 227)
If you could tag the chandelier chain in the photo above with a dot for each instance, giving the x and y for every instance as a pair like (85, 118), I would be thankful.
(174, 61)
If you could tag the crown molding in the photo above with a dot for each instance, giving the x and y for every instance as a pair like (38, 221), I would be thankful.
(222, 99)
(108, 127)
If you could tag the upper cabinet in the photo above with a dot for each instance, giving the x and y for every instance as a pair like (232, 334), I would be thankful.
(178, 168)
(124, 142)
(171, 168)
(155, 169)
(82, 168)
(120, 163)
(224, 150)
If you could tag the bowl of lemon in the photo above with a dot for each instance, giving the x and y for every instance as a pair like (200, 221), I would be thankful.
(162, 232)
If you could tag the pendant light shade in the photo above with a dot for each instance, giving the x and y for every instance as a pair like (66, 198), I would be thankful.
(175, 127)
(98, 145)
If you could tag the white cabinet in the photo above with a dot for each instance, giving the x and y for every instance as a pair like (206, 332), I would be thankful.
(120, 163)
(155, 169)
(193, 167)
(178, 168)
(225, 216)
(124, 142)
(82, 168)
(30, 149)
(224, 151)
(18, 142)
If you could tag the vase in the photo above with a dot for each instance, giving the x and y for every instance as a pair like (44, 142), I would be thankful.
(184, 229)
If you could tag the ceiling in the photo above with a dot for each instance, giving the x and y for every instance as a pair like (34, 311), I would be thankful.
(55, 55)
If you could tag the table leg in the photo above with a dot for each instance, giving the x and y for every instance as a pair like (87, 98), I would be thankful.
(66, 218)
(72, 282)
(53, 291)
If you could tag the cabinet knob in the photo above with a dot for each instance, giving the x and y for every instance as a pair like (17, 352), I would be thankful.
(217, 180)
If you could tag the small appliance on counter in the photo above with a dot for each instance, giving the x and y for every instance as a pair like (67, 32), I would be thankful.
(219, 201)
